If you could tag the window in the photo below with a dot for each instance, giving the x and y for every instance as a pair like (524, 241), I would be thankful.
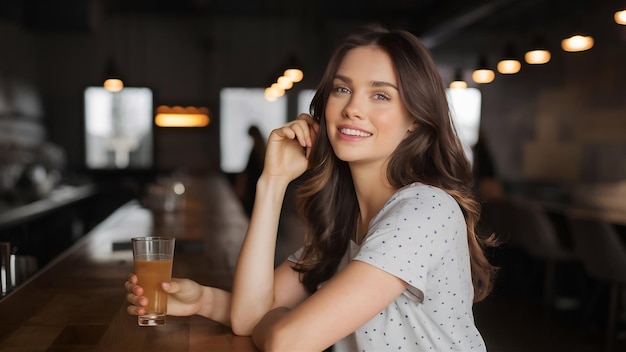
(118, 128)
(465, 106)
(304, 100)
(241, 108)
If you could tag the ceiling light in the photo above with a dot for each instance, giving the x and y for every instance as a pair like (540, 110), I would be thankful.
(509, 64)
(178, 116)
(620, 17)
(294, 70)
(538, 54)
(284, 82)
(458, 81)
(483, 74)
(113, 84)
(295, 74)
(509, 67)
(270, 94)
(273, 92)
(577, 42)
(112, 81)
(277, 90)
(458, 84)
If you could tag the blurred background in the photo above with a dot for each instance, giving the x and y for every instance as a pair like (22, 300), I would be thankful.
(559, 122)
(196, 75)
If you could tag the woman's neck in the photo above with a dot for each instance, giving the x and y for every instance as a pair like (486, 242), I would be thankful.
(373, 190)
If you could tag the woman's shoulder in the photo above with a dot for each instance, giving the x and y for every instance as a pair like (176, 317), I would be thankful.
(420, 197)
(422, 192)
(418, 204)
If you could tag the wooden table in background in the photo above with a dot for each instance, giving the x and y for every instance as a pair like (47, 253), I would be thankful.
(78, 303)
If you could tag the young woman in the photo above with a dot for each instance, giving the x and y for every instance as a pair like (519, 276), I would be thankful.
(391, 259)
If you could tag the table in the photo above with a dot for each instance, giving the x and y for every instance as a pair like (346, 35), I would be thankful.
(77, 302)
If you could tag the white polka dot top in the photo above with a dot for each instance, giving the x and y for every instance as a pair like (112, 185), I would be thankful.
(420, 236)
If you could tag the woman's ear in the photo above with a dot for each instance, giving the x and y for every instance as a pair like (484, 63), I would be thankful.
(412, 127)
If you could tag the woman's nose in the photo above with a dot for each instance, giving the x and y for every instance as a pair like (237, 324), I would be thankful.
(353, 108)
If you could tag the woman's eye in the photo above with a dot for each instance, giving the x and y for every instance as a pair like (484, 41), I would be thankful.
(381, 96)
(341, 90)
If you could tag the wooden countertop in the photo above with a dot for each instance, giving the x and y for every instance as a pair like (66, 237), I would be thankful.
(77, 302)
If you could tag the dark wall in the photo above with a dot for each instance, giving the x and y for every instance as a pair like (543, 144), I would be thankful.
(562, 122)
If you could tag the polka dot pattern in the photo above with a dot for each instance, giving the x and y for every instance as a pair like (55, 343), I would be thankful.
(420, 236)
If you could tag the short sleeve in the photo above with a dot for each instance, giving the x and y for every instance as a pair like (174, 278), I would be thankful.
(411, 234)
(295, 257)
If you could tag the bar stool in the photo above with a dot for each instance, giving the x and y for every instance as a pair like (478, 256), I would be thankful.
(604, 259)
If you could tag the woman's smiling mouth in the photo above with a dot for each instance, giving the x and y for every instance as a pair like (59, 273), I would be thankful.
(354, 132)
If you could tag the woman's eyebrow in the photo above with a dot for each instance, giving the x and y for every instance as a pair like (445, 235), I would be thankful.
(343, 78)
(383, 84)
(372, 83)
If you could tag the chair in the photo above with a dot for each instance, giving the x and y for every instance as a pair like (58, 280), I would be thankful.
(603, 255)
(526, 226)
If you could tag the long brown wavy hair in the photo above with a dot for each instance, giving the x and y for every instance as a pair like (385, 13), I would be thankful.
(431, 154)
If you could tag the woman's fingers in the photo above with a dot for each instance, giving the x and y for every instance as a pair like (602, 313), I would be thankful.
(137, 304)
(287, 131)
(296, 129)
(308, 118)
(289, 148)
(312, 124)
(134, 296)
(311, 129)
(302, 134)
(134, 310)
(300, 129)
(133, 288)
(171, 287)
(139, 301)
(184, 290)
(305, 128)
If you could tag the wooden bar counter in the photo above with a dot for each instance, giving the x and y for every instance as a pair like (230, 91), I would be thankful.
(78, 301)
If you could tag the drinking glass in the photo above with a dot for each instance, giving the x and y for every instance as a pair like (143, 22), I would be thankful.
(153, 257)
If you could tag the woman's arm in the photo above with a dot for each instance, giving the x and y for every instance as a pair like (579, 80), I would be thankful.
(346, 302)
(253, 286)
(254, 292)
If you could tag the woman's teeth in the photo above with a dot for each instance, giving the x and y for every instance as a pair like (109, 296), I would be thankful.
(352, 132)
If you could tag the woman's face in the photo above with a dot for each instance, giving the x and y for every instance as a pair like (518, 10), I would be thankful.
(365, 117)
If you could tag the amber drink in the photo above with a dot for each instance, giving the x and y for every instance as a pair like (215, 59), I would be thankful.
(153, 257)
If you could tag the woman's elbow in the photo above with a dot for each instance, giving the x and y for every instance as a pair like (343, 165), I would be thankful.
(272, 338)
(243, 320)
(241, 326)
(272, 333)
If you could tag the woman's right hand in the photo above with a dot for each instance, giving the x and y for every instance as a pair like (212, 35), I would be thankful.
(185, 296)
(289, 147)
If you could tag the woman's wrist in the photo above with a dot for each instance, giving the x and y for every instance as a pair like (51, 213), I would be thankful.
(215, 304)
(271, 188)
(272, 182)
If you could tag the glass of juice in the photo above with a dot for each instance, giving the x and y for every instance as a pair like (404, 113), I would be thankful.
(153, 258)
